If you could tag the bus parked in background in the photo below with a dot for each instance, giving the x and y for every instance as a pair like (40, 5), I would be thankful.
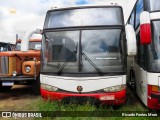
(144, 76)
(84, 54)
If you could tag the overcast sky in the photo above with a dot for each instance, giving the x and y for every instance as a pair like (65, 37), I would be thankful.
(18, 16)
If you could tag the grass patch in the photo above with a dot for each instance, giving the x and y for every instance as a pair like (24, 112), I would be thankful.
(60, 106)
(132, 104)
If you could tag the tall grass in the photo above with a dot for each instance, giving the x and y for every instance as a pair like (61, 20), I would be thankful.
(132, 104)
(60, 106)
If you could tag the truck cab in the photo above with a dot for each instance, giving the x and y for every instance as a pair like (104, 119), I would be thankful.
(17, 67)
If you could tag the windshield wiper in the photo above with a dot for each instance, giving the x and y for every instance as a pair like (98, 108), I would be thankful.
(67, 60)
(90, 61)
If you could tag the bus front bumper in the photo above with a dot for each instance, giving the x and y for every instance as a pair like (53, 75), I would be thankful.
(116, 98)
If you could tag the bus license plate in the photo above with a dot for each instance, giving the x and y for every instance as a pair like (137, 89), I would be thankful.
(7, 83)
(108, 97)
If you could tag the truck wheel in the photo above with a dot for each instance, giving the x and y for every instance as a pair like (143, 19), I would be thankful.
(36, 86)
(132, 81)
(4, 88)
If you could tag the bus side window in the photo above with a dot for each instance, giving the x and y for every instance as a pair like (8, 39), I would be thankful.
(132, 19)
(139, 9)
(141, 54)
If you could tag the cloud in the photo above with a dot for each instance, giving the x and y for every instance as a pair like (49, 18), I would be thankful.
(30, 14)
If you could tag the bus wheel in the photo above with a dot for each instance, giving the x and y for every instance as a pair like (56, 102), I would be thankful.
(4, 88)
(36, 86)
(132, 82)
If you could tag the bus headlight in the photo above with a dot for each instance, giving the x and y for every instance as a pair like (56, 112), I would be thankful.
(49, 87)
(28, 69)
(115, 88)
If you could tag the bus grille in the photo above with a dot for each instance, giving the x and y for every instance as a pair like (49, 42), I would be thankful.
(4, 65)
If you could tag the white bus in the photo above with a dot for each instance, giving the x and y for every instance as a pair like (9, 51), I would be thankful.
(145, 66)
(84, 54)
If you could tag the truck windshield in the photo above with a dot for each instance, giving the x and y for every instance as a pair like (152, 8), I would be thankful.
(84, 17)
(151, 5)
(32, 46)
(103, 47)
(154, 48)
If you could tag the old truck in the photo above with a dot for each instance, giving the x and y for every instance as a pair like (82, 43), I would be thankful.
(18, 67)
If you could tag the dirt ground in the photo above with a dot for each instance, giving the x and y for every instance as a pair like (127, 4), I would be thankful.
(19, 98)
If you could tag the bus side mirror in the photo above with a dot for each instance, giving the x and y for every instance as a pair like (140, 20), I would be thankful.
(145, 28)
(131, 40)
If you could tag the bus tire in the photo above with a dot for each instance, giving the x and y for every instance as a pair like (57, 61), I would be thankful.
(36, 86)
(132, 82)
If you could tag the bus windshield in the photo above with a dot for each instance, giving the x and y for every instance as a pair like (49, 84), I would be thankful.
(151, 5)
(103, 47)
(84, 17)
(154, 48)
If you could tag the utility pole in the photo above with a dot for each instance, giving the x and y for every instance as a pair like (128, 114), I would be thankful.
(16, 37)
